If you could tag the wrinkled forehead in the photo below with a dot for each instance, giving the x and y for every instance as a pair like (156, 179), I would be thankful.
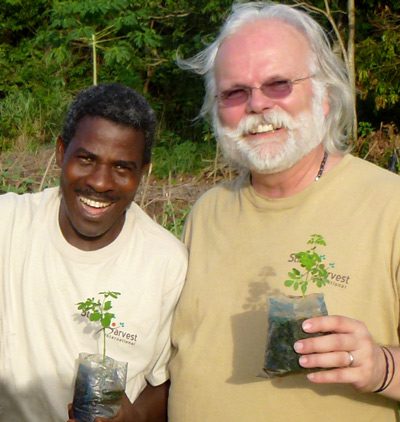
(265, 46)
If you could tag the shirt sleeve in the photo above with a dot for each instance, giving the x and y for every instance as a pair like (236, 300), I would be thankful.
(158, 368)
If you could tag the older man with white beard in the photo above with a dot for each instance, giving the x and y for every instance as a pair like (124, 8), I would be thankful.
(281, 107)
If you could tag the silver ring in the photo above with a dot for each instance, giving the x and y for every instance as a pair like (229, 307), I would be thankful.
(351, 359)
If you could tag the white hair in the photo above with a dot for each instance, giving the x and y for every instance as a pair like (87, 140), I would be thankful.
(328, 68)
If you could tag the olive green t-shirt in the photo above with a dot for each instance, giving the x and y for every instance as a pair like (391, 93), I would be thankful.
(241, 249)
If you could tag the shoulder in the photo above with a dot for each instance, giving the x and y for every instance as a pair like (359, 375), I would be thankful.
(215, 208)
(376, 178)
(372, 188)
(220, 196)
(20, 215)
(28, 202)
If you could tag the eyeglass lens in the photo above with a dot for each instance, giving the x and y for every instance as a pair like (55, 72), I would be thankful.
(274, 90)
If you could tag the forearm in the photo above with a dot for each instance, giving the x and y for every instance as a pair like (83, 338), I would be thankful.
(151, 405)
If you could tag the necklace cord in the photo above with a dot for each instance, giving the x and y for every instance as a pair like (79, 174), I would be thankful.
(321, 167)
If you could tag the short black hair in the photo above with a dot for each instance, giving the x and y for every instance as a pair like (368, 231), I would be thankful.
(117, 103)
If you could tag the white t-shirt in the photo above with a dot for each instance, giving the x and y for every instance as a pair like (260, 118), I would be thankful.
(42, 277)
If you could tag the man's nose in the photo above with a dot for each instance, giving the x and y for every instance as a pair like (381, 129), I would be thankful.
(258, 102)
(101, 178)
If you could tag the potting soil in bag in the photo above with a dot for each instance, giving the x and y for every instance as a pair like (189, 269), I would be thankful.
(285, 317)
(99, 387)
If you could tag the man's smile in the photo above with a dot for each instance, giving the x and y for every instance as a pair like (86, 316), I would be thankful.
(94, 203)
(263, 128)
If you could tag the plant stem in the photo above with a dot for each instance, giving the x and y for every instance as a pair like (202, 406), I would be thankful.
(104, 333)
(94, 42)
(104, 345)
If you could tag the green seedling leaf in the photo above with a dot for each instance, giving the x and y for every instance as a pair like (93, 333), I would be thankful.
(310, 261)
(106, 320)
(95, 316)
(295, 273)
(114, 295)
(98, 312)
(316, 239)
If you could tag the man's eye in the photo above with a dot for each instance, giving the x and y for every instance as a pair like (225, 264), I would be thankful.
(279, 85)
(123, 168)
(234, 94)
(85, 159)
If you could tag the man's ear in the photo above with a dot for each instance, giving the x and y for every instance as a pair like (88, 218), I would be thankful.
(60, 150)
(146, 168)
(326, 107)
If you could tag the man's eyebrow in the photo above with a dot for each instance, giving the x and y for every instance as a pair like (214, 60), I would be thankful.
(270, 79)
(81, 150)
(122, 163)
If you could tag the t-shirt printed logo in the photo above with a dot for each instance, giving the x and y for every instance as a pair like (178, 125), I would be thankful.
(118, 332)
(335, 278)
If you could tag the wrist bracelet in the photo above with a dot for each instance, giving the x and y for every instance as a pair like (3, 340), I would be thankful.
(393, 366)
(386, 383)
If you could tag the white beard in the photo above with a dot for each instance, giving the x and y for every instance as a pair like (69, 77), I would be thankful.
(305, 132)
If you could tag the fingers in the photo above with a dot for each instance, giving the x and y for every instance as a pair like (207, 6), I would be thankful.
(346, 352)
(342, 335)
(328, 360)
(70, 413)
(326, 344)
(335, 376)
(333, 323)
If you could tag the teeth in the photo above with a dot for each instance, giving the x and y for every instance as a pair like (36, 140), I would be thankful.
(94, 204)
(262, 129)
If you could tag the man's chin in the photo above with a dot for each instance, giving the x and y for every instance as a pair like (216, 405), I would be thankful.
(271, 164)
(269, 169)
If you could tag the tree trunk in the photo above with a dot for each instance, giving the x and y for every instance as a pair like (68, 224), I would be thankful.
(351, 59)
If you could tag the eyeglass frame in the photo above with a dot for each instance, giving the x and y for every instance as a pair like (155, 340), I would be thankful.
(249, 89)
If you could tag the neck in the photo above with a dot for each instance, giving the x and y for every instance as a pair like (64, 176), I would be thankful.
(295, 179)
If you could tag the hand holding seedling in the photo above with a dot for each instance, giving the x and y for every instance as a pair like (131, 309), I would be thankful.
(366, 372)
(98, 310)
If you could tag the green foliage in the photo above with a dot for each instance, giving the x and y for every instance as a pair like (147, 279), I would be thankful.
(173, 218)
(364, 129)
(312, 267)
(28, 122)
(46, 57)
(11, 181)
(186, 157)
(378, 57)
(50, 43)
(98, 311)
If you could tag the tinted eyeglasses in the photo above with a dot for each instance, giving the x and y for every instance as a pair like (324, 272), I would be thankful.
(275, 90)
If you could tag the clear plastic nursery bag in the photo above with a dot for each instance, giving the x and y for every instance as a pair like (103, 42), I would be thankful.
(285, 317)
(99, 387)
